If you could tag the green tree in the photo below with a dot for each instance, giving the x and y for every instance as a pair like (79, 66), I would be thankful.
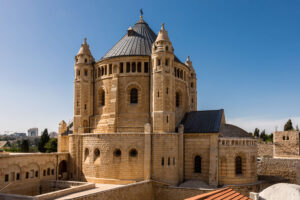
(25, 146)
(263, 135)
(288, 125)
(43, 141)
(51, 145)
(256, 133)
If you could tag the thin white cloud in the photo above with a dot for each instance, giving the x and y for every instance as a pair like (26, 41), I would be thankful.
(270, 125)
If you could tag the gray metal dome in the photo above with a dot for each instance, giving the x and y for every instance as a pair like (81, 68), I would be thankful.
(136, 42)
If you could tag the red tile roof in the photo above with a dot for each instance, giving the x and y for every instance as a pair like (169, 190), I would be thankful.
(222, 194)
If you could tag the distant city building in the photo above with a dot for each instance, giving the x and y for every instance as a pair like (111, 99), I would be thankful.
(53, 135)
(33, 132)
(19, 134)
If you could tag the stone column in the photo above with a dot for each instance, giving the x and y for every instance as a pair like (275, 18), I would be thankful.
(213, 164)
(147, 152)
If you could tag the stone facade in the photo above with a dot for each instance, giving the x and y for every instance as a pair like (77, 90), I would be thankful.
(128, 120)
(287, 144)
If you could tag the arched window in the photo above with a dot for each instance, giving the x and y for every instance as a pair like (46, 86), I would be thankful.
(97, 153)
(238, 165)
(133, 153)
(167, 48)
(102, 98)
(198, 164)
(117, 153)
(177, 99)
(162, 161)
(134, 96)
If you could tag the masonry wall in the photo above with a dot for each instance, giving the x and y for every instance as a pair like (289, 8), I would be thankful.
(265, 150)
(279, 167)
(229, 149)
(110, 164)
(196, 145)
(286, 144)
(25, 171)
(165, 157)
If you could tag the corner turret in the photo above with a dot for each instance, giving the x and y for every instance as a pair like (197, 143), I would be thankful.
(192, 85)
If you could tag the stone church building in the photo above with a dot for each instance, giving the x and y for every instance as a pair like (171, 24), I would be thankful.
(136, 118)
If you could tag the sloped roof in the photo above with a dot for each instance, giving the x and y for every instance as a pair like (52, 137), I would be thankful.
(2, 144)
(207, 121)
(225, 193)
(138, 43)
(228, 130)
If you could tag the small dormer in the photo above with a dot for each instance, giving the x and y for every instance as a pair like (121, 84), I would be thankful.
(130, 31)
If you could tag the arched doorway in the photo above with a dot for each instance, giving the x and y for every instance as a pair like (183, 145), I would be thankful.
(62, 170)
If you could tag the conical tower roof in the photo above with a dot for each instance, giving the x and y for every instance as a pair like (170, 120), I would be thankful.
(136, 42)
(162, 34)
(84, 49)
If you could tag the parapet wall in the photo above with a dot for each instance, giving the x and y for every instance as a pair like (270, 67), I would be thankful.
(280, 167)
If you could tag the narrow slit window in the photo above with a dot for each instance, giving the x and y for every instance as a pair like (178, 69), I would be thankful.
(146, 68)
(139, 67)
(133, 65)
(110, 69)
(128, 67)
(121, 67)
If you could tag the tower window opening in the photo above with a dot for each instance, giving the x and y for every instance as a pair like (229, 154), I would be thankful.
(139, 67)
(158, 62)
(102, 71)
(78, 72)
(27, 175)
(84, 106)
(110, 68)
(146, 68)
(177, 99)
(52, 171)
(167, 48)
(167, 119)
(162, 161)
(283, 137)
(44, 172)
(167, 90)
(133, 65)
(238, 165)
(18, 176)
(134, 96)
(105, 70)
(192, 84)
(48, 171)
(128, 67)
(85, 60)
(192, 100)
(36, 173)
(197, 164)
(121, 67)
(169, 161)
(85, 72)
(117, 153)
(77, 103)
(167, 62)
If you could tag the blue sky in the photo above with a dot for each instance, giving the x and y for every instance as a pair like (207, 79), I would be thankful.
(246, 54)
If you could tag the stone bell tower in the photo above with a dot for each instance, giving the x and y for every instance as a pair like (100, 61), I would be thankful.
(163, 84)
(83, 89)
(192, 85)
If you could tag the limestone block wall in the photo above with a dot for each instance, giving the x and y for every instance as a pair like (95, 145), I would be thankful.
(165, 157)
(265, 150)
(286, 144)
(279, 167)
(229, 149)
(112, 156)
(196, 145)
(63, 143)
(20, 171)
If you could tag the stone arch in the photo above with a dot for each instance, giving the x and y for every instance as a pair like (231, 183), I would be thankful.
(96, 155)
(63, 170)
(13, 172)
(102, 96)
(129, 88)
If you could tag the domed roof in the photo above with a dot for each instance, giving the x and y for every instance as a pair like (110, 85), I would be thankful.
(281, 191)
(136, 42)
(228, 130)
